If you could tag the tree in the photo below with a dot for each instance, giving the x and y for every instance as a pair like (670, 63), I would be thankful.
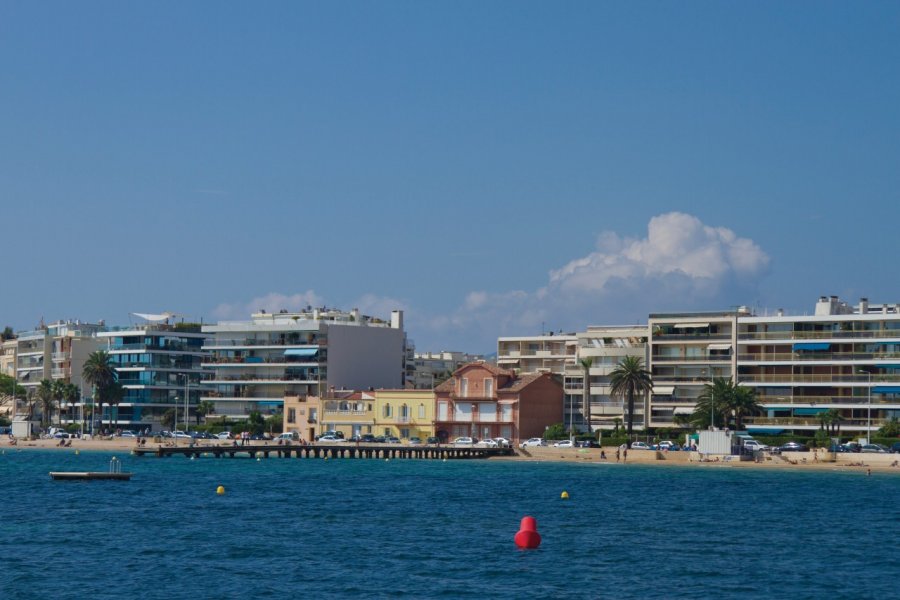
(59, 394)
(891, 428)
(99, 372)
(586, 364)
(204, 408)
(111, 395)
(742, 403)
(44, 396)
(712, 404)
(256, 422)
(627, 379)
(7, 334)
(168, 419)
(830, 421)
(557, 431)
(10, 391)
(71, 395)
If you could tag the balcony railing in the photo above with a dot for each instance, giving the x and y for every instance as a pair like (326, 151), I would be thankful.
(836, 378)
(856, 401)
(811, 422)
(705, 358)
(229, 343)
(814, 356)
(693, 337)
(818, 335)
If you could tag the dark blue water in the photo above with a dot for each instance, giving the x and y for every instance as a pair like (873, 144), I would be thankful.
(428, 529)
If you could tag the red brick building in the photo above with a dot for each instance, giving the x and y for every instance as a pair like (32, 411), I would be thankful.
(484, 401)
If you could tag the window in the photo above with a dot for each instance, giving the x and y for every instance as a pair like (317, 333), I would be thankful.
(404, 433)
(292, 415)
(404, 412)
(463, 387)
(387, 432)
(442, 411)
(421, 411)
(488, 388)
(387, 410)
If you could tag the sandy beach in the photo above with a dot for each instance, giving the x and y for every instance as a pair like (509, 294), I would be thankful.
(880, 463)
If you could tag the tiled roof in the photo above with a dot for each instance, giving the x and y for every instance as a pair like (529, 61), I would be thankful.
(516, 385)
(491, 368)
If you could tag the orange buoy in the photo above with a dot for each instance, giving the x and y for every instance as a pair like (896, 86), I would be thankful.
(528, 537)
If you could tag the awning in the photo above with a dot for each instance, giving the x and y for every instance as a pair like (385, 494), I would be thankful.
(683, 410)
(809, 411)
(812, 346)
(506, 401)
(301, 351)
(663, 390)
(720, 346)
(690, 325)
(886, 389)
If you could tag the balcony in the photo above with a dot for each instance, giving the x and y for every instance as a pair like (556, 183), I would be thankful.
(834, 378)
(701, 359)
(240, 343)
(817, 356)
(812, 422)
(789, 336)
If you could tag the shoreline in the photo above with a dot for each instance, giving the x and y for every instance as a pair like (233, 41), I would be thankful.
(794, 461)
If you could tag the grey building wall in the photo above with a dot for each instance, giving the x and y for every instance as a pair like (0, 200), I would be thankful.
(363, 357)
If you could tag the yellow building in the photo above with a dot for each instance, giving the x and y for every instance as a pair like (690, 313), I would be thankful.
(404, 413)
(351, 413)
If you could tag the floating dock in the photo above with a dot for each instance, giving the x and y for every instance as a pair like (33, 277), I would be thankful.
(88, 476)
(348, 450)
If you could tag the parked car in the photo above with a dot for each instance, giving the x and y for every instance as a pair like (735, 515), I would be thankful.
(128, 434)
(367, 438)
(874, 448)
(587, 444)
(415, 441)
(392, 439)
(433, 441)
(487, 443)
(330, 439)
(754, 445)
(564, 444)
(289, 436)
(639, 446)
(502, 442)
(895, 447)
(224, 435)
(532, 442)
(380, 439)
(793, 447)
(180, 435)
(463, 441)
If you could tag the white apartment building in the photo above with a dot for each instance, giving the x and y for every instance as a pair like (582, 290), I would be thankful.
(431, 366)
(843, 357)
(606, 346)
(256, 363)
(688, 350)
(534, 354)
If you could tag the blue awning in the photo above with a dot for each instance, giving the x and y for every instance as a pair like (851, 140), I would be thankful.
(809, 411)
(887, 389)
(812, 346)
(301, 351)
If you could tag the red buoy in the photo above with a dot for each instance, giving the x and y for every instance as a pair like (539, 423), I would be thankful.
(528, 537)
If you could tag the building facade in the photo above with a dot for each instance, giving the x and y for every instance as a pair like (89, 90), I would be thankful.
(484, 401)
(256, 364)
(538, 354)
(605, 346)
(687, 351)
(843, 357)
(431, 368)
(160, 365)
(404, 413)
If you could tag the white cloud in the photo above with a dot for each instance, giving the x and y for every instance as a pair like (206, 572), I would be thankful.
(271, 302)
(681, 264)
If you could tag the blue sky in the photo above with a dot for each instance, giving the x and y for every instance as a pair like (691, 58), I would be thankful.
(492, 168)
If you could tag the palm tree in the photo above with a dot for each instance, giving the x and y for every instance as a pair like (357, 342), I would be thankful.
(71, 395)
(741, 403)
(712, 404)
(99, 372)
(45, 398)
(586, 364)
(627, 379)
(112, 395)
(59, 394)
(204, 408)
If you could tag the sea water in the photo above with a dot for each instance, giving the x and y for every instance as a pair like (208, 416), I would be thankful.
(343, 528)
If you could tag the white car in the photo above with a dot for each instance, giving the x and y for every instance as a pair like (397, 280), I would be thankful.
(564, 444)
(463, 441)
(487, 443)
(225, 435)
(639, 446)
(532, 442)
(128, 434)
(330, 439)
(502, 442)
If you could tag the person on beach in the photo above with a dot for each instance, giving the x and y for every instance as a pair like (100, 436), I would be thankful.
(618, 454)
(625, 455)
(602, 455)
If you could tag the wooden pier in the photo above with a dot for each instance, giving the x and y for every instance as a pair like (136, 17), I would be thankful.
(89, 476)
(348, 450)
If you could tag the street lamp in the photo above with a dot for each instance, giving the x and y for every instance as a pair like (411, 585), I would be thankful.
(869, 410)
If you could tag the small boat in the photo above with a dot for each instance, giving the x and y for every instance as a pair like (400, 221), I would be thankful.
(115, 473)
